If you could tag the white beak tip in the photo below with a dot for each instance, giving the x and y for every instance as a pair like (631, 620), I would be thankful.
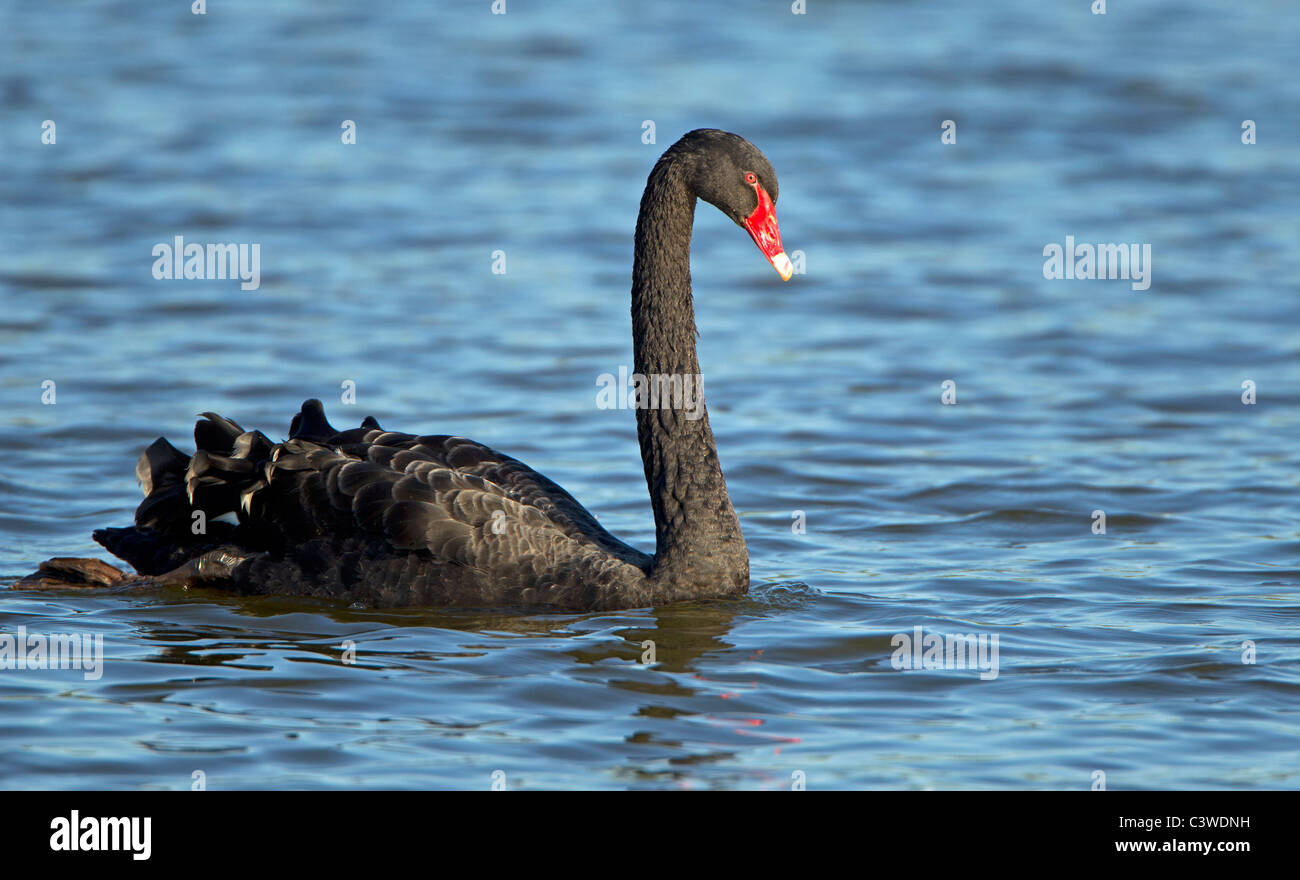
(782, 264)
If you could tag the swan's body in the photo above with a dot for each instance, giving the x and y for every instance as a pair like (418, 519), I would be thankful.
(387, 519)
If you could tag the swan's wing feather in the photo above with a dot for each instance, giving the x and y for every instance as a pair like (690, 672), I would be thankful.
(512, 477)
(454, 499)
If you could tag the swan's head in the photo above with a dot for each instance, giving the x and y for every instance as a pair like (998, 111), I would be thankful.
(731, 174)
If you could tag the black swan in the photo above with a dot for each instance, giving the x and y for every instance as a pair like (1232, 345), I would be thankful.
(388, 519)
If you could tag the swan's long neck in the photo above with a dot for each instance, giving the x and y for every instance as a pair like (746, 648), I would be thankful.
(697, 536)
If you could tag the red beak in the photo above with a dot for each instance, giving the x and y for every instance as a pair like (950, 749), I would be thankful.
(761, 226)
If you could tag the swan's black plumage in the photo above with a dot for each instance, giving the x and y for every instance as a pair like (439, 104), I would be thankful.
(370, 515)
(390, 519)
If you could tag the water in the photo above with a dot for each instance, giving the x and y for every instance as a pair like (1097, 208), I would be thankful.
(1119, 652)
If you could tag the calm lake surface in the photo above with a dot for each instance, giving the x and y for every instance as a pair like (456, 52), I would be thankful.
(1119, 652)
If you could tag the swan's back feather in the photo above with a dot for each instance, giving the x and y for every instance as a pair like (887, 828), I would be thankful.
(378, 516)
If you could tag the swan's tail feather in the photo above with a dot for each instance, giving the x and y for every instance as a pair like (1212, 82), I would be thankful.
(152, 553)
(195, 504)
(216, 433)
(160, 465)
(311, 424)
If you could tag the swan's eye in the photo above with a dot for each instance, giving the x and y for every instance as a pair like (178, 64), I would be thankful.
(750, 178)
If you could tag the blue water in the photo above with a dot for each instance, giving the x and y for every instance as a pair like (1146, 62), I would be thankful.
(1119, 652)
